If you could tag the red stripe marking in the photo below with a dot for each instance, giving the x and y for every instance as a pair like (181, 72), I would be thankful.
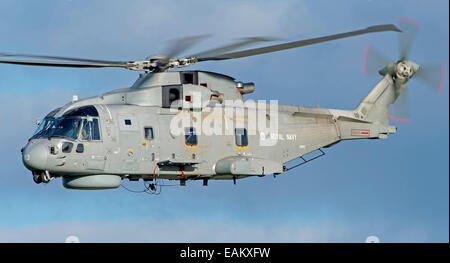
(404, 19)
(182, 175)
(393, 118)
(442, 78)
(360, 132)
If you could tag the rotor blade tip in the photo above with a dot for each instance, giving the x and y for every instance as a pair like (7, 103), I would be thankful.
(408, 20)
(380, 28)
(400, 120)
(441, 84)
(396, 29)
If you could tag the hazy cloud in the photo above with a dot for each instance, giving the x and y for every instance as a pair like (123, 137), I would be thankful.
(169, 230)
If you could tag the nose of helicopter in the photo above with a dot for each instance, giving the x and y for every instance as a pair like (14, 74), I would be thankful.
(34, 156)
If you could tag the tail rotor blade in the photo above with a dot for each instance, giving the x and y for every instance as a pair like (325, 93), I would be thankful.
(373, 60)
(400, 111)
(406, 38)
(432, 76)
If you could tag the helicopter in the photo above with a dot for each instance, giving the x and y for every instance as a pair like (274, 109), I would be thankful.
(195, 125)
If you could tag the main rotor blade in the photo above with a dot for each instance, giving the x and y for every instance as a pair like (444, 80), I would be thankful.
(289, 45)
(61, 58)
(61, 64)
(181, 44)
(230, 47)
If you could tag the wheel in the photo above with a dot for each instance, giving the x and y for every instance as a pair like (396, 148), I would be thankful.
(37, 178)
(44, 178)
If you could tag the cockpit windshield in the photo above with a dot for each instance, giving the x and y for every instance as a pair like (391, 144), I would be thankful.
(67, 128)
(42, 128)
(58, 127)
(69, 125)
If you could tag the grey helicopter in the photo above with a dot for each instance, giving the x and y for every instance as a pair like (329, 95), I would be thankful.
(196, 125)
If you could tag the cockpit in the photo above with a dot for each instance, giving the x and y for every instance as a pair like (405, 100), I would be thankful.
(80, 123)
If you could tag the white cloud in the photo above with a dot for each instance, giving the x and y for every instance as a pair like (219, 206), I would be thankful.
(159, 230)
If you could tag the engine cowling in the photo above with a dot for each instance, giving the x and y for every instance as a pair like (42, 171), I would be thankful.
(245, 88)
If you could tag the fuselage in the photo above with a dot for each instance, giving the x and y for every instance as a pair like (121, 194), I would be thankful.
(166, 128)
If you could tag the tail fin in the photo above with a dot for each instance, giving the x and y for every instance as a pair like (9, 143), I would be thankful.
(374, 107)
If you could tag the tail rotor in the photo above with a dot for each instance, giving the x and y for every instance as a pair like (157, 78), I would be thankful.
(402, 70)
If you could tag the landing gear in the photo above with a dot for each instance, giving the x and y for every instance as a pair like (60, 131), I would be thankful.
(45, 177)
(182, 182)
(152, 187)
(42, 177)
(37, 178)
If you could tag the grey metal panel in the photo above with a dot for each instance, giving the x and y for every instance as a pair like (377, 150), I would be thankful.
(157, 79)
(145, 96)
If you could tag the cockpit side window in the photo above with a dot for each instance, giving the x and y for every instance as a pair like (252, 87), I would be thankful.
(90, 130)
(95, 130)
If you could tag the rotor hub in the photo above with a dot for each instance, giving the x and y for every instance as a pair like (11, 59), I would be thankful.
(406, 69)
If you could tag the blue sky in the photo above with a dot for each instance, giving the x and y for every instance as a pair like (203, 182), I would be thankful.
(396, 189)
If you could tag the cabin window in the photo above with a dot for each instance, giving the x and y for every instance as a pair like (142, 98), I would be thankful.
(148, 131)
(127, 122)
(188, 78)
(190, 136)
(172, 96)
(241, 137)
(90, 130)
